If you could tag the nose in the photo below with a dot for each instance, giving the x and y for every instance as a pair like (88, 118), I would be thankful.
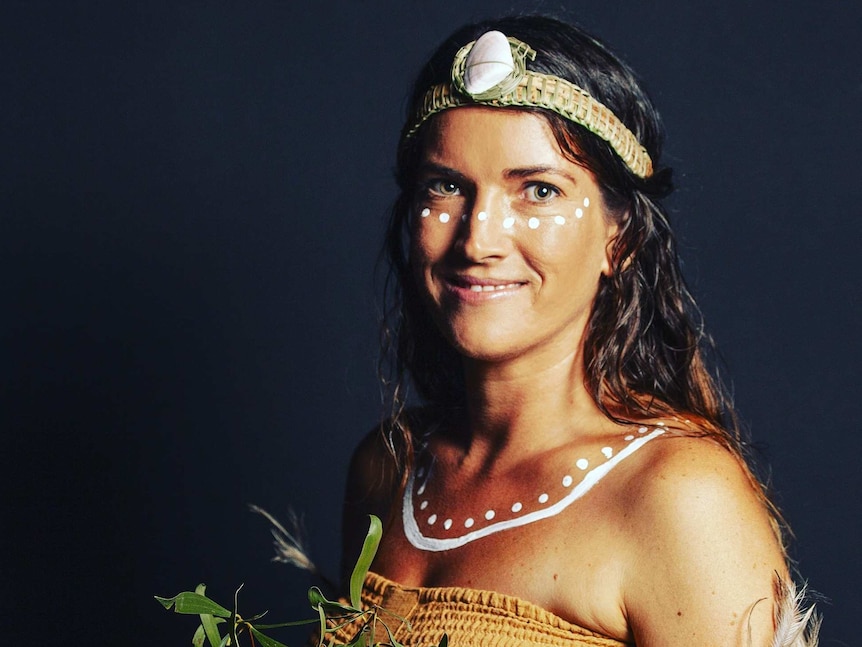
(482, 236)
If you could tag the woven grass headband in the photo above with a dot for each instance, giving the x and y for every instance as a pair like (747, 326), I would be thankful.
(491, 71)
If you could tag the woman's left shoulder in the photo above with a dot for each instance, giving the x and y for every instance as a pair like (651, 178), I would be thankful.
(680, 467)
(705, 551)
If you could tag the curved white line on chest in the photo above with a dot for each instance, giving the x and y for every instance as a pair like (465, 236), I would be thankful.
(420, 541)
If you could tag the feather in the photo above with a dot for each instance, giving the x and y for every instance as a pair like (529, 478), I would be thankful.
(795, 625)
(290, 547)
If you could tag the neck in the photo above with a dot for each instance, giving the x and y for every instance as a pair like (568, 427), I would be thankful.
(520, 409)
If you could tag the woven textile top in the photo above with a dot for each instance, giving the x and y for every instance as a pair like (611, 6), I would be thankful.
(472, 618)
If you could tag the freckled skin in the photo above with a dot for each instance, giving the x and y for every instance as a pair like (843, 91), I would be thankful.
(673, 548)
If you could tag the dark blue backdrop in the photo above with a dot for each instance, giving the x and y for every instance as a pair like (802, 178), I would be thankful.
(191, 198)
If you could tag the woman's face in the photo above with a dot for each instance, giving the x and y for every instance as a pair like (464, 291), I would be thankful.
(509, 237)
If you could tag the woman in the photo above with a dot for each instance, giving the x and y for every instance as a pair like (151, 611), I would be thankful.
(574, 475)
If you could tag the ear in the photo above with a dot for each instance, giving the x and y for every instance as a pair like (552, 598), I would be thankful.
(611, 236)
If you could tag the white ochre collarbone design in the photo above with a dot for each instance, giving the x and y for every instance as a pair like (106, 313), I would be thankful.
(412, 519)
(533, 222)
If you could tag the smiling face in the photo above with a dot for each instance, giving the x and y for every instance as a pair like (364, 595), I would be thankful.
(509, 237)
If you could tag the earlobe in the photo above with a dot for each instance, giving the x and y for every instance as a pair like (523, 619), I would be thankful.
(610, 248)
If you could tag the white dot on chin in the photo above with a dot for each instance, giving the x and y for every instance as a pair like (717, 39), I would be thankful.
(444, 217)
(586, 202)
(579, 213)
(432, 519)
(447, 524)
(533, 223)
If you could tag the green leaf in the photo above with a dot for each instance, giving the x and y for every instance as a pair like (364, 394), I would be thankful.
(322, 618)
(318, 600)
(264, 640)
(361, 638)
(193, 603)
(199, 637)
(444, 641)
(295, 623)
(369, 550)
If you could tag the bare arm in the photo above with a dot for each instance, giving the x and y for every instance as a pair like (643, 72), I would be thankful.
(705, 558)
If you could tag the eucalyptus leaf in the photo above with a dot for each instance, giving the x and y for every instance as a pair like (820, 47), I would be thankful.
(193, 603)
(317, 599)
(361, 638)
(322, 618)
(265, 640)
(199, 637)
(208, 623)
(369, 550)
(444, 641)
(295, 623)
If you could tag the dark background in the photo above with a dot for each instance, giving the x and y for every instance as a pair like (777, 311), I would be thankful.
(191, 199)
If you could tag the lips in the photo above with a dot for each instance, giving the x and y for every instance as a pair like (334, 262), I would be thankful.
(474, 286)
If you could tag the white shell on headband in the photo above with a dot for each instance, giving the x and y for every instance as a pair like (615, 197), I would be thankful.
(489, 62)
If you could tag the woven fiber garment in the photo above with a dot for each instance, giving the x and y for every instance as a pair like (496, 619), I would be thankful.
(471, 618)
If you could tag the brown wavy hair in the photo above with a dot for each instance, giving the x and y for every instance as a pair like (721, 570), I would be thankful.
(645, 348)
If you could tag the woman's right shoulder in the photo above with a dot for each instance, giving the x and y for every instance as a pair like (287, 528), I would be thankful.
(381, 458)
(373, 474)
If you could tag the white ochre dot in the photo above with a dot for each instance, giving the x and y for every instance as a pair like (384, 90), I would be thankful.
(421, 490)
(533, 223)
(425, 213)
(607, 451)
(643, 430)
(468, 523)
(567, 481)
(444, 217)
(579, 213)
(489, 515)
(586, 202)
(447, 524)
(432, 519)
(559, 220)
(517, 507)
(630, 437)
(508, 222)
(482, 216)
(582, 463)
(543, 498)
(423, 505)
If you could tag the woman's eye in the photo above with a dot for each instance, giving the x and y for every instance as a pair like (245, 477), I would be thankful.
(541, 192)
(444, 188)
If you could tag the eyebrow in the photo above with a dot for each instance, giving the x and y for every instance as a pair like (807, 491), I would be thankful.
(432, 168)
(428, 167)
(530, 171)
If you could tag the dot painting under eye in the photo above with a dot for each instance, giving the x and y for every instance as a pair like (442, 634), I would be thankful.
(526, 510)
(509, 222)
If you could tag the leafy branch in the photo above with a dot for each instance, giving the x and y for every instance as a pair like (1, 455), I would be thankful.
(332, 616)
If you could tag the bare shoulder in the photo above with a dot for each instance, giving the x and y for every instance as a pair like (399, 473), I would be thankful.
(372, 482)
(703, 553)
